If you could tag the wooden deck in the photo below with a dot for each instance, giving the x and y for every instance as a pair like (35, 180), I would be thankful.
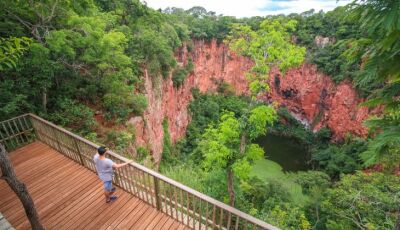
(69, 196)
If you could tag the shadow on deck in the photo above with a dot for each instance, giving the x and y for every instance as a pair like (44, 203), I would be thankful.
(70, 196)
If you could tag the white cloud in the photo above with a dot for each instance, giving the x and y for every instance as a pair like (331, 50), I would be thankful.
(248, 8)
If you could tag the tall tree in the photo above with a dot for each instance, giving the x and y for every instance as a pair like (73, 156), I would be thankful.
(268, 46)
(227, 146)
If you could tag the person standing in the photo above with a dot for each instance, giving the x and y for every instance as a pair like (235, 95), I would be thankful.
(105, 170)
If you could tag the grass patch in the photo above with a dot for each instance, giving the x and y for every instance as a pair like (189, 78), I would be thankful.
(270, 170)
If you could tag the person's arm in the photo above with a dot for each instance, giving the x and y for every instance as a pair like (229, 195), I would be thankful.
(115, 166)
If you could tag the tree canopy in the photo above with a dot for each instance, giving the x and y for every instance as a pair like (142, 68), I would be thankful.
(268, 46)
(228, 146)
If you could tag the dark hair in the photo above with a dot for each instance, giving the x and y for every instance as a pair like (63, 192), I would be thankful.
(101, 150)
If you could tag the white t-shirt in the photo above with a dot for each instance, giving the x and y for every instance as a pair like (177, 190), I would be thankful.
(104, 168)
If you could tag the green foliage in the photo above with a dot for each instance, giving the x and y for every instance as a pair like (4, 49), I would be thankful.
(311, 180)
(167, 145)
(329, 60)
(337, 159)
(11, 50)
(227, 146)
(260, 117)
(257, 192)
(74, 115)
(179, 74)
(334, 24)
(25, 86)
(144, 157)
(268, 46)
(202, 24)
(12, 103)
(120, 140)
(271, 172)
(154, 49)
(340, 57)
(218, 144)
(93, 52)
(271, 202)
(289, 126)
(314, 184)
(384, 147)
(381, 69)
(205, 110)
(221, 144)
(189, 175)
(286, 216)
(362, 201)
(112, 67)
(142, 153)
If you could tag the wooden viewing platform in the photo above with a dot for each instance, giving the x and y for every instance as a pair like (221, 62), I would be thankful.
(57, 167)
(69, 196)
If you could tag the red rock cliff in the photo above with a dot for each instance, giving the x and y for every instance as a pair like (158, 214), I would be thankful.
(314, 98)
(309, 95)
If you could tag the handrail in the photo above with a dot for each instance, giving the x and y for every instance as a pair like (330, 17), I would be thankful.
(16, 132)
(197, 210)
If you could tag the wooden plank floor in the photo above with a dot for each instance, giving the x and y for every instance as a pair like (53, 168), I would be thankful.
(69, 196)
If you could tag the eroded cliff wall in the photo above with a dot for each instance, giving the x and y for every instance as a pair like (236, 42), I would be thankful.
(311, 96)
(314, 98)
(212, 64)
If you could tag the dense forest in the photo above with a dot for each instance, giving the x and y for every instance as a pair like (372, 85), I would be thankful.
(68, 60)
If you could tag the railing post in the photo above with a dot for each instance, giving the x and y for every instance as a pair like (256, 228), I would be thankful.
(117, 178)
(78, 150)
(31, 118)
(156, 192)
(58, 142)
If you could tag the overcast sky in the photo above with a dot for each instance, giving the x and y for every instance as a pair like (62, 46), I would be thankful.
(248, 8)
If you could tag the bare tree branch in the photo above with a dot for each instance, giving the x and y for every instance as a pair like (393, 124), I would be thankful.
(53, 9)
(25, 23)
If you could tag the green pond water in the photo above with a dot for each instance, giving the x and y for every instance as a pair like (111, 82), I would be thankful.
(285, 151)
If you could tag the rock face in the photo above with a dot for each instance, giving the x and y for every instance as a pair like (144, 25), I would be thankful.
(313, 97)
(309, 95)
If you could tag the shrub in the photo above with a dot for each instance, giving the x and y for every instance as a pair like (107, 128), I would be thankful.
(179, 75)
(312, 179)
(119, 140)
(77, 116)
(139, 104)
(336, 159)
(142, 153)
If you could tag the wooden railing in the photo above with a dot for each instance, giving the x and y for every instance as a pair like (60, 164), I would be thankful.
(16, 132)
(184, 204)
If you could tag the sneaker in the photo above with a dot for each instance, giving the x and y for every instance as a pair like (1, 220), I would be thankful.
(112, 199)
